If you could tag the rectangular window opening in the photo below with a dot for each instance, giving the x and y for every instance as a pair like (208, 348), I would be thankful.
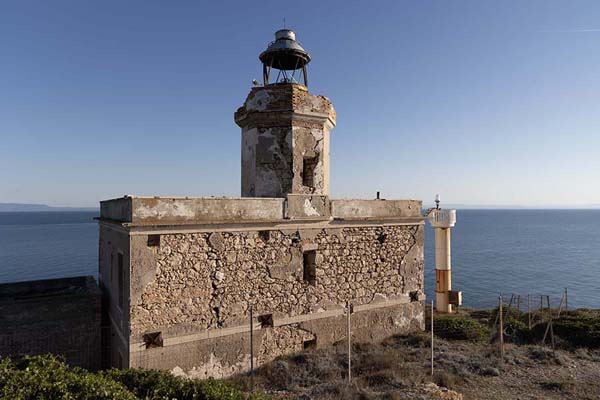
(153, 339)
(309, 164)
(310, 344)
(153, 240)
(266, 320)
(264, 235)
(310, 267)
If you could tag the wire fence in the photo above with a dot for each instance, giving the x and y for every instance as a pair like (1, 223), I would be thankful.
(517, 319)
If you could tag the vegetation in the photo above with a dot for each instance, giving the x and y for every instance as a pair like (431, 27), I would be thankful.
(396, 368)
(46, 377)
(579, 329)
(466, 360)
(458, 327)
(517, 331)
(573, 329)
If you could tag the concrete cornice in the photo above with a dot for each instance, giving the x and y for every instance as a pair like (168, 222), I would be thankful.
(336, 223)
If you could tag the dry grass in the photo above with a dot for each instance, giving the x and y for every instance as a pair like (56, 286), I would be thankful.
(398, 368)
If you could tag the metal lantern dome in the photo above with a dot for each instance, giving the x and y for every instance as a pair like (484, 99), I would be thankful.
(286, 55)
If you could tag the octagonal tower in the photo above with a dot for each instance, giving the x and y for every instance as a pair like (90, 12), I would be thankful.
(285, 134)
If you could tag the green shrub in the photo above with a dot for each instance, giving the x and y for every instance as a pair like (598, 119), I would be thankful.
(158, 385)
(459, 328)
(46, 377)
(579, 329)
(573, 329)
(516, 331)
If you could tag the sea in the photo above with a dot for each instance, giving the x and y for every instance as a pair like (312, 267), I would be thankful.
(494, 252)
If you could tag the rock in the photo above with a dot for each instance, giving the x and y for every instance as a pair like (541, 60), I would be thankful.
(216, 241)
(490, 371)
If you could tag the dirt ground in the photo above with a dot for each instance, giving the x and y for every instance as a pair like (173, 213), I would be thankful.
(399, 368)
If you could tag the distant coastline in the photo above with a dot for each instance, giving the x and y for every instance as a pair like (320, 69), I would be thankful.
(458, 206)
(21, 207)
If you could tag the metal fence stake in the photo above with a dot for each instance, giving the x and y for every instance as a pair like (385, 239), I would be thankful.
(349, 311)
(251, 348)
(529, 310)
(501, 329)
(431, 337)
(552, 338)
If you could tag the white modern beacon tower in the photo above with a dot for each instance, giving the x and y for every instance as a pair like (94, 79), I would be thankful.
(442, 221)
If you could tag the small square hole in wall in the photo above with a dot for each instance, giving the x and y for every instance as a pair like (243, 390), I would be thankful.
(310, 267)
(265, 320)
(308, 171)
(310, 344)
(153, 240)
(153, 339)
(264, 235)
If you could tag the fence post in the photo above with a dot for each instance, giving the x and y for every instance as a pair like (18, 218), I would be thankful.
(566, 300)
(349, 333)
(529, 310)
(431, 337)
(552, 337)
(519, 302)
(512, 296)
(560, 306)
(501, 328)
(251, 348)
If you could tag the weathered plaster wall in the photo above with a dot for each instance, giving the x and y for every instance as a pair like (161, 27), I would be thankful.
(285, 129)
(191, 283)
(112, 243)
(224, 356)
(267, 167)
(149, 211)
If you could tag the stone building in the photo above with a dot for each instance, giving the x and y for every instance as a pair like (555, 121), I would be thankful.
(181, 274)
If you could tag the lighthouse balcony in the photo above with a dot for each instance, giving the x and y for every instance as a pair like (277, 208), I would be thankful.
(442, 218)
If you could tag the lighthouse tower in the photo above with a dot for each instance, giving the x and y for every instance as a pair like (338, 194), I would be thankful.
(442, 221)
(285, 129)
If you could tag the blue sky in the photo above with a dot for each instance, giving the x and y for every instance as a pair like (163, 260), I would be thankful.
(484, 102)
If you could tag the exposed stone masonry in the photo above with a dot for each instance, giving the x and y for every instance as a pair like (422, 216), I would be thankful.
(208, 280)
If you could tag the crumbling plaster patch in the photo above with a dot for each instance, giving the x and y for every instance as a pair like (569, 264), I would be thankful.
(259, 101)
(162, 209)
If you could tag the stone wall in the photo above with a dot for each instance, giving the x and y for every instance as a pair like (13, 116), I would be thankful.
(224, 356)
(198, 282)
(208, 280)
(57, 316)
